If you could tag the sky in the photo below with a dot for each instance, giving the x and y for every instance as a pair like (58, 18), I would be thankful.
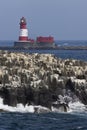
(62, 19)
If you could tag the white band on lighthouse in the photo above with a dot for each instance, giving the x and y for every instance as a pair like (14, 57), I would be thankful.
(24, 32)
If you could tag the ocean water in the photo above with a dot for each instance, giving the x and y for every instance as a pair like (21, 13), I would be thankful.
(75, 54)
(71, 42)
(72, 54)
(47, 121)
(23, 118)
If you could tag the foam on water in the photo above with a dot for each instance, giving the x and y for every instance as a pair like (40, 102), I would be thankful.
(77, 107)
(19, 108)
(73, 107)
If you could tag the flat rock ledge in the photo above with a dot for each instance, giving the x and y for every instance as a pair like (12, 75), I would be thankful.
(42, 79)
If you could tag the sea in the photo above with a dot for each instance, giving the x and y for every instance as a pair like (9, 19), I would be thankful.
(23, 118)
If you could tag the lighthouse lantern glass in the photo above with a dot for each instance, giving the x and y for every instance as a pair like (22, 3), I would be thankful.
(22, 20)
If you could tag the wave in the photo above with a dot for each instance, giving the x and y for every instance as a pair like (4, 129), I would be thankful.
(18, 108)
(75, 107)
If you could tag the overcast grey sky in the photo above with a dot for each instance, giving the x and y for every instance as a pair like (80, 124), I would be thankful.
(63, 19)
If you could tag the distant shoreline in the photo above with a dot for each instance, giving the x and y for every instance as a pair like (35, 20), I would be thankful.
(45, 48)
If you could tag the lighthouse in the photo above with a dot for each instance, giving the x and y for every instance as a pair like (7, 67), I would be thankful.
(23, 40)
(23, 36)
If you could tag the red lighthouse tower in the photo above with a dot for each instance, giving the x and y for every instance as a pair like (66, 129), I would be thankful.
(23, 30)
(24, 41)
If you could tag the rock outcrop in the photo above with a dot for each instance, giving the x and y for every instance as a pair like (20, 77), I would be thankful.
(41, 79)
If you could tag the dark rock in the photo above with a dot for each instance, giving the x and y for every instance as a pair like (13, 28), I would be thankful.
(70, 85)
(21, 95)
(39, 79)
(9, 96)
(82, 94)
(29, 93)
(43, 97)
(81, 77)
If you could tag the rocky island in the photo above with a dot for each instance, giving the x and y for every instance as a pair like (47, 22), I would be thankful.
(42, 79)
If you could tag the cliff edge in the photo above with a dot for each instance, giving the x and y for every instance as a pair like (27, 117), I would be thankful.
(42, 79)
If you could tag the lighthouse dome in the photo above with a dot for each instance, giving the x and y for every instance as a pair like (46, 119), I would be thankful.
(23, 20)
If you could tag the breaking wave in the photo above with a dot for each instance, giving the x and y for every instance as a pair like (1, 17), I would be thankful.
(18, 108)
(75, 107)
